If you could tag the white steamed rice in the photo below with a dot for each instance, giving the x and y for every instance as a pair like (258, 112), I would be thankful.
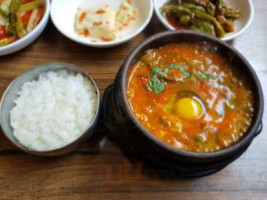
(54, 110)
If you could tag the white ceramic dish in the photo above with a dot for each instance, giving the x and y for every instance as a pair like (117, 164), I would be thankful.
(29, 38)
(65, 22)
(246, 7)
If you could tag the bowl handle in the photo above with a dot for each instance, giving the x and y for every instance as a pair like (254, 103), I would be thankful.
(106, 103)
(259, 129)
(108, 114)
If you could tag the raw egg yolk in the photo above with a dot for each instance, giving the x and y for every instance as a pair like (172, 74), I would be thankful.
(187, 108)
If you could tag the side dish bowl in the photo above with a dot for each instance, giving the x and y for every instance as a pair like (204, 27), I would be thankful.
(241, 25)
(11, 93)
(66, 23)
(30, 37)
(120, 119)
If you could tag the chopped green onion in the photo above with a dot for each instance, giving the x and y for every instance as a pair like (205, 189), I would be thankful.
(186, 74)
(206, 75)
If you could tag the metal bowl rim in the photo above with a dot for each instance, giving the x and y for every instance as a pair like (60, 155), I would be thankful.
(79, 139)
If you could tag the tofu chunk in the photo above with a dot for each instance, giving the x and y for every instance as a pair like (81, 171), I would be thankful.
(125, 15)
(104, 22)
(99, 23)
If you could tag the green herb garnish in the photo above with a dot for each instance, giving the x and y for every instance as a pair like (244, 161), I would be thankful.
(205, 75)
(156, 84)
(158, 81)
(156, 71)
(174, 66)
(186, 74)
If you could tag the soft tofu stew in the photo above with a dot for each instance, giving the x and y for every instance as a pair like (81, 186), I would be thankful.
(190, 97)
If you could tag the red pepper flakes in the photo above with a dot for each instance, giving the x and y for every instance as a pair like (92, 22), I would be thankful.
(106, 39)
(86, 33)
(125, 8)
(3, 32)
(26, 16)
(100, 12)
(97, 23)
(83, 16)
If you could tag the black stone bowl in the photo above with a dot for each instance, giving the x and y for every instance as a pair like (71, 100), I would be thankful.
(126, 129)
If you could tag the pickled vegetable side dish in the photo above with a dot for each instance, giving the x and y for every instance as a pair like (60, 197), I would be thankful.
(18, 18)
(189, 97)
(210, 16)
(104, 22)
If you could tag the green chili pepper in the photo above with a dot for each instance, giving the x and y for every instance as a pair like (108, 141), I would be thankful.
(181, 9)
(232, 14)
(204, 26)
(185, 19)
(219, 29)
(30, 6)
(208, 7)
(21, 31)
(3, 13)
(11, 27)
